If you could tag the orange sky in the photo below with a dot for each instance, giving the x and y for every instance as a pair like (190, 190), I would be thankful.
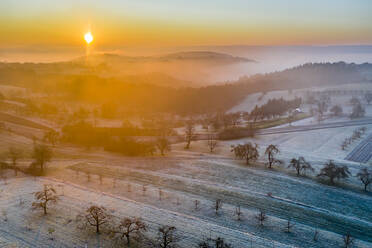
(175, 23)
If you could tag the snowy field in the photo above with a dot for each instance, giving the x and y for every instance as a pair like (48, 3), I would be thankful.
(317, 146)
(183, 178)
(259, 99)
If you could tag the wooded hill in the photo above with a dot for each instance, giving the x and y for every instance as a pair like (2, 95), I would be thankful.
(146, 97)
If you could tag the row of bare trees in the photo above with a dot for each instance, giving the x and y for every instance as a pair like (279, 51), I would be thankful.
(330, 170)
(357, 134)
(41, 155)
(122, 230)
(249, 152)
(261, 218)
(127, 230)
(97, 217)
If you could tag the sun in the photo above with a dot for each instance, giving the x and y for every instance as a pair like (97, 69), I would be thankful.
(88, 37)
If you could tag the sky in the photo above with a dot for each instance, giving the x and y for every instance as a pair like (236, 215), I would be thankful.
(185, 23)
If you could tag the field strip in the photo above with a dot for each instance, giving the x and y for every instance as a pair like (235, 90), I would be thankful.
(254, 193)
(362, 153)
(152, 208)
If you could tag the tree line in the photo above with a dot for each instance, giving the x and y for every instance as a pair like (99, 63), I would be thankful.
(274, 108)
(249, 152)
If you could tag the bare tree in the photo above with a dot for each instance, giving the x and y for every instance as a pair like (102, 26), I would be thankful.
(196, 205)
(163, 144)
(212, 142)
(300, 165)
(348, 240)
(336, 110)
(129, 187)
(42, 198)
(166, 237)
(357, 112)
(365, 176)
(238, 213)
(247, 151)
(41, 155)
(217, 205)
(368, 97)
(322, 107)
(332, 171)
(261, 217)
(51, 136)
(15, 154)
(144, 189)
(354, 101)
(291, 117)
(289, 225)
(189, 133)
(271, 151)
(129, 227)
(95, 216)
(256, 114)
(160, 194)
(316, 235)
(214, 243)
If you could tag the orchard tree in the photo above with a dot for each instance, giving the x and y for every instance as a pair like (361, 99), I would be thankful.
(365, 176)
(163, 144)
(15, 154)
(217, 205)
(51, 136)
(41, 155)
(368, 97)
(212, 142)
(189, 133)
(300, 165)
(166, 237)
(196, 205)
(261, 217)
(44, 197)
(322, 107)
(238, 213)
(271, 151)
(336, 110)
(129, 227)
(348, 240)
(214, 243)
(333, 171)
(94, 216)
(354, 101)
(247, 151)
(256, 113)
(289, 225)
(357, 112)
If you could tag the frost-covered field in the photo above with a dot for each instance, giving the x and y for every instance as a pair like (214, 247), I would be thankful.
(183, 178)
(188, 175)
(259, 99)
(316, 146)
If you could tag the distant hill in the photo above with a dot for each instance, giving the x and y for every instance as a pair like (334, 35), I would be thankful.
(176, 70)
(152, 92)
(310, 75)
(194, 56)
(204, 55)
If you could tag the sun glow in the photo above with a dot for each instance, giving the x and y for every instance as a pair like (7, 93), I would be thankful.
(88, 37)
